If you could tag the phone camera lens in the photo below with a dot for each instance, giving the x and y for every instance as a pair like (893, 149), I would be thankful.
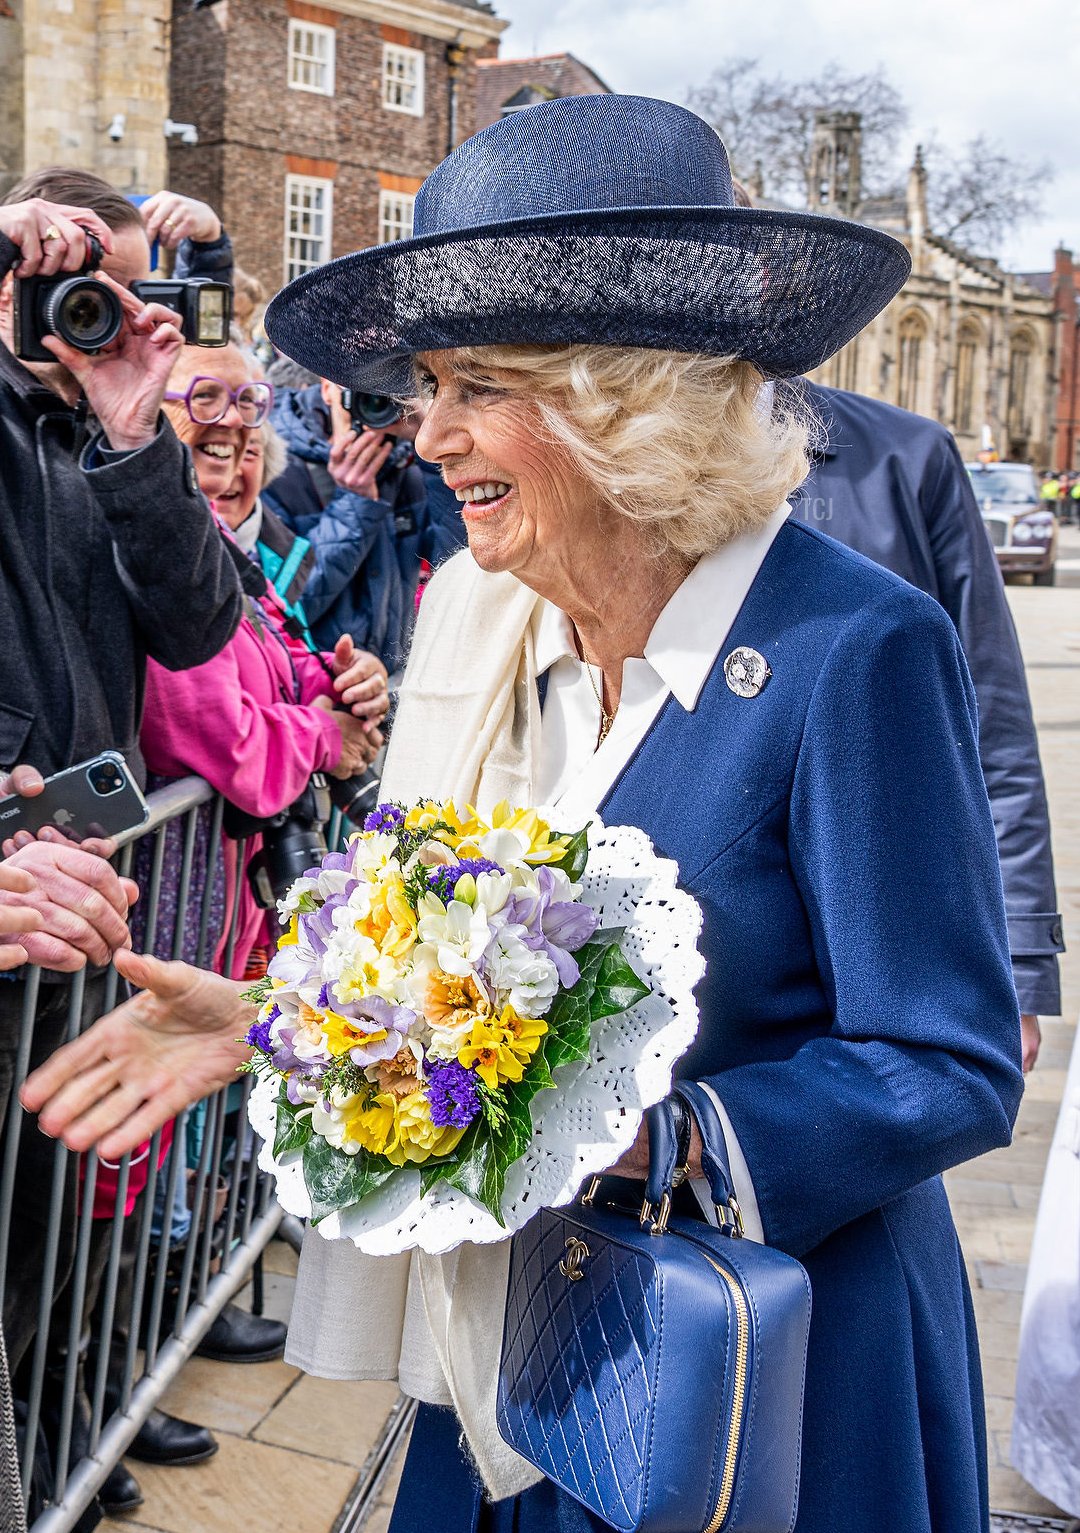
(105, 778)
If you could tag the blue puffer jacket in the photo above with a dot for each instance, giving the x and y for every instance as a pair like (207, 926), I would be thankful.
(367, 552)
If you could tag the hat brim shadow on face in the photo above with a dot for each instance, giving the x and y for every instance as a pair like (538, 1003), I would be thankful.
(782, 290)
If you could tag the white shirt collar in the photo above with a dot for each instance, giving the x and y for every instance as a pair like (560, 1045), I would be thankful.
(690, 631)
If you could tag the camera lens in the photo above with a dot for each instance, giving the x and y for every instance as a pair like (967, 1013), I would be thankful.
(105, 778)
(375, 410)
(84, 313)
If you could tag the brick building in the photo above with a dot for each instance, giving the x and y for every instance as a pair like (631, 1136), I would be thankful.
(1062, 287)
(317, 123)
(507, 85)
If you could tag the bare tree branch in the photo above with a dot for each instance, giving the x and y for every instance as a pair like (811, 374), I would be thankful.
(981, 194)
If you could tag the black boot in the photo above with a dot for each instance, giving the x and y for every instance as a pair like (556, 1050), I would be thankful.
(169, 1440)
(237, 1337)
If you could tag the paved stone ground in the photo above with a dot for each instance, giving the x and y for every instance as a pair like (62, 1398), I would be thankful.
(291, 1446)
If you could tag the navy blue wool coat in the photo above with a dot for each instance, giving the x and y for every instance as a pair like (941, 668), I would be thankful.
(858, 1020)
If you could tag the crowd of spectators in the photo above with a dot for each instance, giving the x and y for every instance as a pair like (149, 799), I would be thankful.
(207, 579)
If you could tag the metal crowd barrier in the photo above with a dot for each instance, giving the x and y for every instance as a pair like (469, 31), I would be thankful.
(154, 1304)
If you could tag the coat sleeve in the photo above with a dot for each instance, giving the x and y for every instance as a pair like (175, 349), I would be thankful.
(972, 592)
(341, 540)
(205, 258)
(172, 560)
(892, 847)
(259, 755)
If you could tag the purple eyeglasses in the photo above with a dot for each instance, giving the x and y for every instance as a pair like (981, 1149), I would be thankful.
(207, 401)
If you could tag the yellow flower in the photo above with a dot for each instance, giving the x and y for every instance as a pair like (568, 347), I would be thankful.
(523, 1034)
(343, 1033)
(543, 846)
(371, 1122)
(500, 1047)
(390, 922)
(424, 816)
(418, 1139)
(292, 936)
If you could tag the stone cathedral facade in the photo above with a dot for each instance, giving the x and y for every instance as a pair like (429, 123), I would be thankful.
(965, 341)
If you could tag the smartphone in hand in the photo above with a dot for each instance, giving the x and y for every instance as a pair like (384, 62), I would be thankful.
(96, 798)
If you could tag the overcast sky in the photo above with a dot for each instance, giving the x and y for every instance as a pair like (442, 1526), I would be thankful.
(963, 66)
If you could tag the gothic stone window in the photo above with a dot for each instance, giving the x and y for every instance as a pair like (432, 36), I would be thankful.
(403, 79)
(912, 338)
(395, 216)
(1021, 359)
(309, 206)
(311, 57)
(967, 352)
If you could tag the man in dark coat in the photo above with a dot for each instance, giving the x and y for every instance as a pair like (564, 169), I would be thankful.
(108, 553)
(892, 486)
(369, 520)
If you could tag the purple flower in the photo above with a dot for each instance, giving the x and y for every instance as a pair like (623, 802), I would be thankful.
(452, 1092)
(398, 1021)
(258, 1037)
(318, 925)
(443, 880)
(555, 927)
(294, 1087)
(385, 817)
(333, 862)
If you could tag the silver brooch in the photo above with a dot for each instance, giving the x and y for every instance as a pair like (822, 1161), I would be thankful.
(746, 672)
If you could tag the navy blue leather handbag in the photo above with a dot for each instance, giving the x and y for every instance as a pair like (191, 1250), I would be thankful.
(653, 1365)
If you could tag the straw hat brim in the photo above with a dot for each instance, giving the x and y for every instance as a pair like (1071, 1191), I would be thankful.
(783, 290)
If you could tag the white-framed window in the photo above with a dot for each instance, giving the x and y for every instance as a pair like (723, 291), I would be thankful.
(309, 209)
(403, 79)
(311, 57)
(395, 216)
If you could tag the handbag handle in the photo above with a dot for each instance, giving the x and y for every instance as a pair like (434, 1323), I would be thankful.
(714, 1154)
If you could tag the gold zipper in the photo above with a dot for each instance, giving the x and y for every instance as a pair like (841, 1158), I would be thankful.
(742, 1352)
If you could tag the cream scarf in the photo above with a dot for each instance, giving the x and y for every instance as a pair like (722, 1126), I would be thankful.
(468, 728)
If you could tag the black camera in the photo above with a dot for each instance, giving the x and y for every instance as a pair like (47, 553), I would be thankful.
(88, 315)
(78, 309)
(293, 841)
(204, 306)
(373, 411)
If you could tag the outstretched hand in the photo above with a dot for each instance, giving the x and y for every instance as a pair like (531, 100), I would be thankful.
(169, 1046)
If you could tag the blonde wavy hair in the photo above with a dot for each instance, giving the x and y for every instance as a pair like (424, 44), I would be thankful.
(686, 445)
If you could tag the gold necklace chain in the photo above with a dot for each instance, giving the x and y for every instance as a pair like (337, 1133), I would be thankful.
(606, 718)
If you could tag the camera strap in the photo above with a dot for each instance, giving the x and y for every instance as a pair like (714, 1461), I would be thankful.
(80, 419)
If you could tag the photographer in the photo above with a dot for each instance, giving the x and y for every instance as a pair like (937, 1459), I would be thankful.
(110, 554)
(371, 510)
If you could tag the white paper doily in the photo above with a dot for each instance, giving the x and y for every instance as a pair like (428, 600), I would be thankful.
(593, 1115)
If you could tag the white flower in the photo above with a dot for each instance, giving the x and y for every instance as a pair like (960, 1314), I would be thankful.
(530, 980)
(459, 933)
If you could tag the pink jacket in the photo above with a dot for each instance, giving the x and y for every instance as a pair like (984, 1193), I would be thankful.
(244, 721)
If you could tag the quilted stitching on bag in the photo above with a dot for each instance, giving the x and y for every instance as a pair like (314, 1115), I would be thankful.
(581, 1360)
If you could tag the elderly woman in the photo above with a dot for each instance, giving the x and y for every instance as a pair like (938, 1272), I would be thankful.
(637, 630)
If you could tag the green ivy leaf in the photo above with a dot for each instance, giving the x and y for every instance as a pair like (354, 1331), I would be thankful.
(576, 856)
(291, 1132)
(478, 1177)
(336, 1181)
(618, 986)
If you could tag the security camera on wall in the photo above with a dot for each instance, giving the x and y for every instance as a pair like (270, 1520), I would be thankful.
(116, 127)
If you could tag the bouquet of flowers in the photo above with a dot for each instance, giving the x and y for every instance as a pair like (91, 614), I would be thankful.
(438, 979)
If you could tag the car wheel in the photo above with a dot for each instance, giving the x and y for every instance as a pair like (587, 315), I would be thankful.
(1045, 577)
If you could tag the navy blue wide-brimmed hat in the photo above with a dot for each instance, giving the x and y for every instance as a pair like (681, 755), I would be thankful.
(604, 219)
